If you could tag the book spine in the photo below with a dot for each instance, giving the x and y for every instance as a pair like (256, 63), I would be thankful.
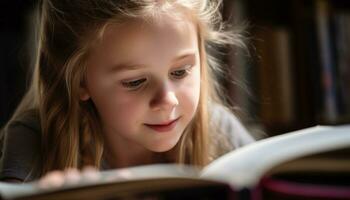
(342, 24)
(276, 77)
(330, 111)
(283, 65)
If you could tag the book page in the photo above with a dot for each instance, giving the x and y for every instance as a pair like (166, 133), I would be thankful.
(245, 166)
(126, 176)
(336, 162)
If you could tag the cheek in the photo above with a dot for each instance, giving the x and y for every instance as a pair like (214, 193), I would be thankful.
(121, 117)
(191, 92)
(117, 109)
(125, 110)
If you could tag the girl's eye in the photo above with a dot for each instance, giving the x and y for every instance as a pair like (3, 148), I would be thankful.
(179, 74)
(134, 84)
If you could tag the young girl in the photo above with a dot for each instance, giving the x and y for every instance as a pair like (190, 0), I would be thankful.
(121, 83)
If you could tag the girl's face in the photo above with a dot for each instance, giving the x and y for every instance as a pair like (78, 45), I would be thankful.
(145, 82)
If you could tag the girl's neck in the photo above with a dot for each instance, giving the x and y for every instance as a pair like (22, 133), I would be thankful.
(120, 158)
(121, 161)
(120, 152)
(119, 155)
(123, 154)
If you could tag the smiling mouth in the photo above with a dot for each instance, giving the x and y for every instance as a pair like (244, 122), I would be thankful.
(163, 127)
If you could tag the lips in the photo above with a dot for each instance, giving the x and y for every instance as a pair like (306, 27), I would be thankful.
(163, 127)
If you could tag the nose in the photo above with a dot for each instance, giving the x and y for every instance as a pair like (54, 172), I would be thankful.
(164, 99)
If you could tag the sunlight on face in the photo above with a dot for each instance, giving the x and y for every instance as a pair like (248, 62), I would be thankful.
(141, 78)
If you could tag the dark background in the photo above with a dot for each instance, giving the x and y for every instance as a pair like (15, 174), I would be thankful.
(14, 53)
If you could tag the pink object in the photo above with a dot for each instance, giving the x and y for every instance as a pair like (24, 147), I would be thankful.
(306, 189)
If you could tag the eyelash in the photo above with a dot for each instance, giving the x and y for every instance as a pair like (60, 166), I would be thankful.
(135, 84)
(186, 72)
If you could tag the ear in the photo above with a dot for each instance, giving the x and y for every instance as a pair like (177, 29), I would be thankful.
(84, 94)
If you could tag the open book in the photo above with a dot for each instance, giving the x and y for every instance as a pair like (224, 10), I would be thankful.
(309, 163)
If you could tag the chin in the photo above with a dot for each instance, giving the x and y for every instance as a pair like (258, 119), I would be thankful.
(162, 148)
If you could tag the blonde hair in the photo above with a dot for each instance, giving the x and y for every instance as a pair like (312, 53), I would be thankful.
(71, 132)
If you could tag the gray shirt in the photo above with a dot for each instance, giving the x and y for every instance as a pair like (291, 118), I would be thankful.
(21, 148)
(20, 156)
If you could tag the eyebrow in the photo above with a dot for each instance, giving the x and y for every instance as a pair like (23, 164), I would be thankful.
(130, 66)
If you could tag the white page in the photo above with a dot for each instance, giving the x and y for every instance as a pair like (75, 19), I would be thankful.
(15, 190)
(245, 166)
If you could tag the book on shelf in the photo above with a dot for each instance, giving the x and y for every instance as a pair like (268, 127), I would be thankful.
(342, 37)
(275, 74)
(329, 64)
(304, 164)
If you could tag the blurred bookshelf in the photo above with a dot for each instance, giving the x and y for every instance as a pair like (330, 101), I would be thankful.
(297, 71)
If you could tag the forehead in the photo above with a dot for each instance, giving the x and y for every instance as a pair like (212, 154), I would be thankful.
(139, 39)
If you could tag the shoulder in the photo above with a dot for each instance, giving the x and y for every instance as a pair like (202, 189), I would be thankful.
(229, 125)
(20, 146)
(27, 120)
(25, 126)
